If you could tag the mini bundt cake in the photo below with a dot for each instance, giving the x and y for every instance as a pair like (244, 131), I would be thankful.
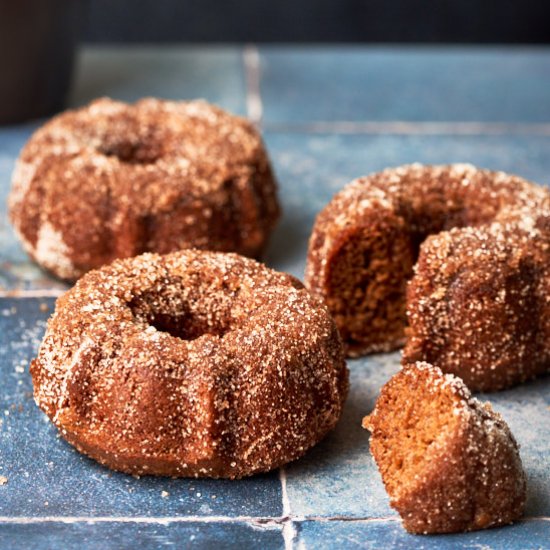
(479, 305)
(449, 462)
(193, 363)
(113, 180)
(366, 241)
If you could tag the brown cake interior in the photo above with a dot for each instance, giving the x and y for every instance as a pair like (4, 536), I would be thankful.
(417, 430)
(366, 286)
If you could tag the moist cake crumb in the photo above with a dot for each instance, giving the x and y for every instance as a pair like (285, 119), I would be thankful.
(448, 461)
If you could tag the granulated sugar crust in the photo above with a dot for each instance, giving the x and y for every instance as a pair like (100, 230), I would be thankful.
(191, 364)
(474, 478)
(489, 226)
(113, 180)
(479, 304)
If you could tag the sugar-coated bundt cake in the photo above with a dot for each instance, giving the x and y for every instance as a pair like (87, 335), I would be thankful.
(365, 242)
(449, 462)
(479, 305)
(191, 364)
(113, 180)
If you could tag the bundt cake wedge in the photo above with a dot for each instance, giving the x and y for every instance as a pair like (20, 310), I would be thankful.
(449, 462)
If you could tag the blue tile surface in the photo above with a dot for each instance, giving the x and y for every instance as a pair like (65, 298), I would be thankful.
(46, 476)
(406, 83)
(528, 535)
(129, 536)
(339, 478)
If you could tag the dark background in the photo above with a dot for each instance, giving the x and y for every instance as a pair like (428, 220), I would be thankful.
(444, 21)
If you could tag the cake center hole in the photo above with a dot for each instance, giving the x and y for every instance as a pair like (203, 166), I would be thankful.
(183, 324)
(184, 327)
(131, 153)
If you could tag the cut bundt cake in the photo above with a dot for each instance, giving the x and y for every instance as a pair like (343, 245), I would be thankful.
(449, 462)
(367, 239)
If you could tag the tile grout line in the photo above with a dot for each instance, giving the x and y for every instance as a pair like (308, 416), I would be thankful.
(289, 529)
(399, 127)
(285, 524)
(254, 106)
(285, 519)
(259, 521)
(154, 520)
(46, 293)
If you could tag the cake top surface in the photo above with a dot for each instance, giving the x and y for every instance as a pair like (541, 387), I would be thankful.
(150, 143)
(189, 311)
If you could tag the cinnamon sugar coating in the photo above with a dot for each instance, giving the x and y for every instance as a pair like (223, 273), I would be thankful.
(113, 180)
(191, 364)
(448, 461)
(479, 305)
(367, 239)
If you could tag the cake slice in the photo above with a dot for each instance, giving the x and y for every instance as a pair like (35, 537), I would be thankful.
(449, 462)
